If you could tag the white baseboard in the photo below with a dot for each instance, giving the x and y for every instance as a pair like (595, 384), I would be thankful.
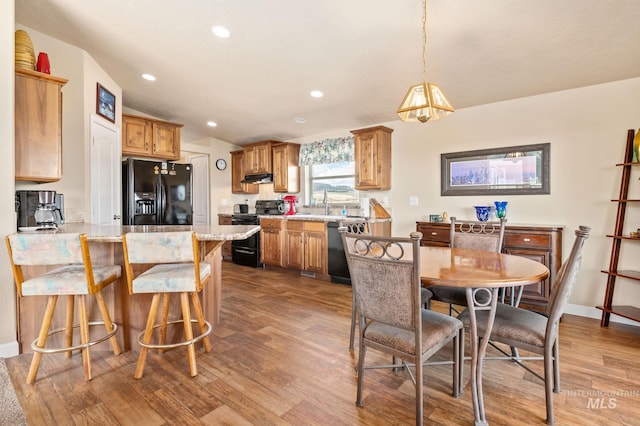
(591, 312)
(7, 350)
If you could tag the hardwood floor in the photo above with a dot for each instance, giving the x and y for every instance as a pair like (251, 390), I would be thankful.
(280, 357)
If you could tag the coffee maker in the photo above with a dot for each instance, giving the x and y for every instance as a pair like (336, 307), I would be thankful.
(39, 209)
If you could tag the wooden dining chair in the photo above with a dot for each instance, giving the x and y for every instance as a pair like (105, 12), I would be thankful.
(177, 269)
(385, 275)
(535, 332)
(487, 236)
(71, 274)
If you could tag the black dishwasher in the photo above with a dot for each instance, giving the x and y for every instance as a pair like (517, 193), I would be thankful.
(338, 268)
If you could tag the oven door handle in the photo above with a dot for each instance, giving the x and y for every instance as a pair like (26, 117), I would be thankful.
(237, 250)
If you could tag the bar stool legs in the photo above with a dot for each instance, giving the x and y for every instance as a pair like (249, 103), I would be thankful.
(144, 339)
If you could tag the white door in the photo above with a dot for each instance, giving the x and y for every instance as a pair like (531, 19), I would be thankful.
(106, 171)
(200, 189)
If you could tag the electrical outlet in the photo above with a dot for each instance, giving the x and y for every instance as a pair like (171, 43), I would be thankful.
(223, 202)
(413, 201)
(385, 200)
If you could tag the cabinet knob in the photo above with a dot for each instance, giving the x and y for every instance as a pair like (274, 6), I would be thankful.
(526, 240)
(434, 233)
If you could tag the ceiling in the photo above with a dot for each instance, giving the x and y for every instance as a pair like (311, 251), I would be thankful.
(363, 54)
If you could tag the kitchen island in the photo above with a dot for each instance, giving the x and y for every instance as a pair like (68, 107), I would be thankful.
(130, 311)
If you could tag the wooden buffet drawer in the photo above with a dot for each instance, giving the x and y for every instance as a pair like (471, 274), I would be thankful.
(435, 234)
(527, 240)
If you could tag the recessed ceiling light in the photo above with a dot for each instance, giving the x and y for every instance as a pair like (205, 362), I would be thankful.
(299, 120)
(212, 123)
(221, 31)
(316, 93)
(149, 77)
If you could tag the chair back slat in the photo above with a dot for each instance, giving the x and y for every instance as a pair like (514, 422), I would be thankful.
(566, 277)
(160, 247)
(488, 236)
(45, 249)
(385, 276)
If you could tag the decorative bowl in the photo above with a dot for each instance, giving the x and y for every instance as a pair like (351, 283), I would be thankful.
(482, 212)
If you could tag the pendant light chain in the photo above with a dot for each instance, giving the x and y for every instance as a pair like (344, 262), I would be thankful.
(424, 40)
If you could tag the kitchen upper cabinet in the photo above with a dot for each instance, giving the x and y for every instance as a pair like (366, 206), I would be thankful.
(372, 154)
(271, 239)
(237, 174)
(38, 126)
(147, 137)
(286, 171)
(257, 157)
(306, 246)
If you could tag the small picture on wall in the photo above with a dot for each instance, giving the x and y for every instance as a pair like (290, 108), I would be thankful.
(105, 103)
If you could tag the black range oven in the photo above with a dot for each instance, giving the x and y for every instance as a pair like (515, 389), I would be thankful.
(247, 252)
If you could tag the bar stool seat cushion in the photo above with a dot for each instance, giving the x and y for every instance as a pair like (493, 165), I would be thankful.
(170, 278)
(67, 280)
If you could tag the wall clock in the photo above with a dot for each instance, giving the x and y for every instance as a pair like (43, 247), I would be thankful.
(221, 164)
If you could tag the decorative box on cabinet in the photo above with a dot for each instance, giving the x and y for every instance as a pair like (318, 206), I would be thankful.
(372, 154)
(271, 239)
(225, 219)
(147, 137)
(540, 243)
(237, 174)
(257, 157)
(38, 126)
(286, 171)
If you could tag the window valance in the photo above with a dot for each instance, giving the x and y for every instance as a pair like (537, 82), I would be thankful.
(326, 151)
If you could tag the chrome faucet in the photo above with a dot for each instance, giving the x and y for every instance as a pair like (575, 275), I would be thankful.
(325, 201)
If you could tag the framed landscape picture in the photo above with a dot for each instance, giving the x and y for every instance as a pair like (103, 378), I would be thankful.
(105, 103)
(511, 170)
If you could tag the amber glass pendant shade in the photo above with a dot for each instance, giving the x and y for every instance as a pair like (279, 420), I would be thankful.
(424, 102)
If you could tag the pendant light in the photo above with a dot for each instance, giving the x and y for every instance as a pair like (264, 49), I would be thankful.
(424, 101)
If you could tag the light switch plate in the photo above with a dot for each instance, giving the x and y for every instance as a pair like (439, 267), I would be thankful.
(413, 201)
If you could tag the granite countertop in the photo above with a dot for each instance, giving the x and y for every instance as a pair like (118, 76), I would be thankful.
(325, 218)
(112, 233)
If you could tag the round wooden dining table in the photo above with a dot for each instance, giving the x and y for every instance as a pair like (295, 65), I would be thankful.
(478, 272)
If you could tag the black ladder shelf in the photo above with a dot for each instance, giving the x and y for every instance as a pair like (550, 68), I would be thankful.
(626, 311)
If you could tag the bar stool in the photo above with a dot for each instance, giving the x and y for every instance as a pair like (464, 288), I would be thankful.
(177, 270)
(74, 277)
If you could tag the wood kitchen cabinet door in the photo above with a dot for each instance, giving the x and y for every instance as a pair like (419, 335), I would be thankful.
(137, 134)
(315, 254)
(166, 140)
(286, 171)
(38, 126)
(271, 241)
(257, 158)
(372, 154)
(147, 137)
(294, 249)
(237, 174)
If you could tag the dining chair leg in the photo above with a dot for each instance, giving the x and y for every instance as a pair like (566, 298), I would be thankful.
(188, 333)
(84, 336)
(108, 324)
(556, 368)
(458, 359)
(42, 339)
(195, 300)
(353, 320)
(142, 357)
(68, 327)
(548, 383)
(419, 389)
(363, 352)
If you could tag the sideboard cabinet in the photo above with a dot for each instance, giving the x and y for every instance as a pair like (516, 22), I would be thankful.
(541, 243)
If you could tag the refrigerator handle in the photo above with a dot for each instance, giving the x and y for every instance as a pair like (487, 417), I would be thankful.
(161, 204)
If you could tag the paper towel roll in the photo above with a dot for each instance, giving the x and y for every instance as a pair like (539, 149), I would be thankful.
(364, 207)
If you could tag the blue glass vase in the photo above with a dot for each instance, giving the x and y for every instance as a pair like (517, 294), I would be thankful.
(501, 209)
(482, 212)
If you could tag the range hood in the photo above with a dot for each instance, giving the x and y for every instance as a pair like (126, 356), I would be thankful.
(258, 178)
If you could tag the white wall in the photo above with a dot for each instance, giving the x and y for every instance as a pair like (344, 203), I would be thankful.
(587, 129)
(8, 343)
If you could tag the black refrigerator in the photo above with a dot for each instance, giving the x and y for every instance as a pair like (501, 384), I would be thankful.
(156, 193)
